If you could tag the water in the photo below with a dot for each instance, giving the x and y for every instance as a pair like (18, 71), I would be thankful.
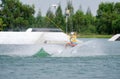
(78, 63)
(101, 67)
(93, 47)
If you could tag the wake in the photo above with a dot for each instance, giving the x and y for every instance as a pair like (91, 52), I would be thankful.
(97, 47)
(89, 48)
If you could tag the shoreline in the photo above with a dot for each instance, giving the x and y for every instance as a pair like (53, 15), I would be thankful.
(93, 36)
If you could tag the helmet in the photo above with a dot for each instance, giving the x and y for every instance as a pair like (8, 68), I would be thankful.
(72, 33)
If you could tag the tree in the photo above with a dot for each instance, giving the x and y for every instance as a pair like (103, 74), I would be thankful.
(89, 18)
(116, 25)
(80, 8)
(59, 18)
(116, 21)
(49, 19)
(38, 20)
(78, 21)
(89, 22)
(15, 15)
(71, 13)
(89, 12)
(2, 25)
(105, 18)
(117, 8)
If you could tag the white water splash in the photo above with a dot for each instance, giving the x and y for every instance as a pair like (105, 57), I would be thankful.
(27, 44)
(89, 48)
(19, 50)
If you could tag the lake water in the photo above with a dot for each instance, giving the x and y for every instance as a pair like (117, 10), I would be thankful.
(94, 59)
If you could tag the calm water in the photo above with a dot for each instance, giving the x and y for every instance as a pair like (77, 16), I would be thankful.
(104, 63)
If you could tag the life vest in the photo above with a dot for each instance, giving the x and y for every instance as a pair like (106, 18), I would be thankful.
(73, 38)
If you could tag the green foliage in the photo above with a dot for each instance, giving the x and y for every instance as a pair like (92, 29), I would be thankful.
(69, 18)
(59, 18)
(16, 15)
(38, 20)
(89, 12)
(70, 7)
(108, 18)
(49, 19)
(116, 25)
(2, 25)
(78, 21)
(84, 23)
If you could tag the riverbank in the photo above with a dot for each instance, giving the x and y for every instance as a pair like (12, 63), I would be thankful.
(93, 36)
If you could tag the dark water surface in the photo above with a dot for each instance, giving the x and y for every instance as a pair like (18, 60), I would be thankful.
(99, 67)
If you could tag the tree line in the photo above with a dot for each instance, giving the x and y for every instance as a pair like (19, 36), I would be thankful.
(15, 16)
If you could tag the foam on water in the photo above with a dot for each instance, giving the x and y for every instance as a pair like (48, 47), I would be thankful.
(92, 48)
(89, 48)
(19, 50)
(29, 43)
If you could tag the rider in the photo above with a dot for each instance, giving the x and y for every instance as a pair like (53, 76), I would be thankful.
(73, 38)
